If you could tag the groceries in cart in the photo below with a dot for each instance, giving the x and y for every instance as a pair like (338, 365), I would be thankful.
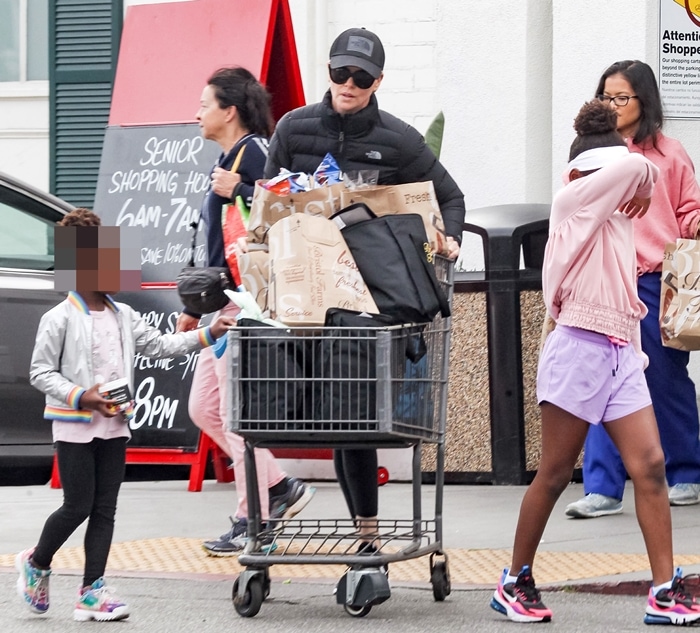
(328, 190)
(361, 360)
(310, 265)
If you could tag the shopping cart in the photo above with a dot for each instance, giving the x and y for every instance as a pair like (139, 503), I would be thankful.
(342, 388)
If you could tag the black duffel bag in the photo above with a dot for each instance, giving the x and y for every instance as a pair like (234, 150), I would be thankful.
(345, 372)
(393, 255)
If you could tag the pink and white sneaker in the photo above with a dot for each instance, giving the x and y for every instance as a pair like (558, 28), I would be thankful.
(675, 605)
(520, 600)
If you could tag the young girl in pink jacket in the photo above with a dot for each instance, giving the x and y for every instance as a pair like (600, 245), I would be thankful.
(629, 87)
(591, 370)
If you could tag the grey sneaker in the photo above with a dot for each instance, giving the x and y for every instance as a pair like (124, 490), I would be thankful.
(228, 544)
(234, 541)
(594, 505)
(292, 501)
(684, 494)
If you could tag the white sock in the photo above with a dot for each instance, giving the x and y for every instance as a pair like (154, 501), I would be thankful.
(666, 585)
(509, 578)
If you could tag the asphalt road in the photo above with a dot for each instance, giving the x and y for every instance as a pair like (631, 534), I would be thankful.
(198, 606)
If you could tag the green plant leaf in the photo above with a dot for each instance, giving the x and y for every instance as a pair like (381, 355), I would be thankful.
(433, 135)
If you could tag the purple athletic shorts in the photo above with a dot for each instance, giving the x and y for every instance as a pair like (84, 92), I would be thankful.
(586, 374)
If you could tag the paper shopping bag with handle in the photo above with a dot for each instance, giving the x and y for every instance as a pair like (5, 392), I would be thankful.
(679, 307)
(267, 207)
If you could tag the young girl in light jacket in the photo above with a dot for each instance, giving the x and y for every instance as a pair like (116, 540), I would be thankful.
(591, 370)
(85, 341)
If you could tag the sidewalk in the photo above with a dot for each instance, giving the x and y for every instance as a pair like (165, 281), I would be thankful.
(160, 527)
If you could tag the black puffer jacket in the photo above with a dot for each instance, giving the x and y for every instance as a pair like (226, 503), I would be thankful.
(369, 139)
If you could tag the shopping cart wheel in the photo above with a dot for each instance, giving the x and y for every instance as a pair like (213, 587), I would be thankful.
(357, 612)
(440, 579)
(382, 476)
(248, 605)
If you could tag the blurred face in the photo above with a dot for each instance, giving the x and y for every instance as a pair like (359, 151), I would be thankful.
(347, 98)
(97, 258)
(628, 116)
(211, 116)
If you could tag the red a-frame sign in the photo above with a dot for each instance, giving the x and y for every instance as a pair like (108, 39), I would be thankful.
(168, 50)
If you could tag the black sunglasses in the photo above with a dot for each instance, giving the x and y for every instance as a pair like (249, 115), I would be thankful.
(361, 78)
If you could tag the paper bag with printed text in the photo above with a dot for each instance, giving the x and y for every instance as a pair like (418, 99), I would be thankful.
(311, 270)
(413, 197)
(268, 208)
(679, 304)
(254, 267)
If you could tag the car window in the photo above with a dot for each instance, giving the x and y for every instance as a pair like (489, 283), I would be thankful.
(26, 241)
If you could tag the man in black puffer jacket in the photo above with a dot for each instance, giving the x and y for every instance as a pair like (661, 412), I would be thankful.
(349, 124)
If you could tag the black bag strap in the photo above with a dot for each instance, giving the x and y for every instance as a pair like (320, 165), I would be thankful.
(418, 244)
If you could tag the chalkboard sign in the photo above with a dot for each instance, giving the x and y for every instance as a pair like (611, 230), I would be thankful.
(161, 386)
(155, 178)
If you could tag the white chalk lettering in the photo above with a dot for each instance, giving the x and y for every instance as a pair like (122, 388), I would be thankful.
(159, 151)
(158, 412)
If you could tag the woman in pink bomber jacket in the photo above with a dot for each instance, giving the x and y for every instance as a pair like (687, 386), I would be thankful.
(591, 369)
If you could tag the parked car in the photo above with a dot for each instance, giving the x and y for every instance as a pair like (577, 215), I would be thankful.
(27, 219)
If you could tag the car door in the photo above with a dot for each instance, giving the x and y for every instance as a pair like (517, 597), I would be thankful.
(27, 220)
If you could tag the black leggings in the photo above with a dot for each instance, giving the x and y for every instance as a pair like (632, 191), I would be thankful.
(91, 475)
(356, 470)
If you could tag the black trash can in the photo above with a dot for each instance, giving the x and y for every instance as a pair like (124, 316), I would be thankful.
(507, 232)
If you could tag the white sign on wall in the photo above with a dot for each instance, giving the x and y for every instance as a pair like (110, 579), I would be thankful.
(679, 58)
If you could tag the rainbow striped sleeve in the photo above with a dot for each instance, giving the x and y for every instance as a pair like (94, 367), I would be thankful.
(67, 415)
(74, 397)
(205, 337)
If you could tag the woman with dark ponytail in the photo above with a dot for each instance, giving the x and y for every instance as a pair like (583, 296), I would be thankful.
(235, 112)
(591, 370)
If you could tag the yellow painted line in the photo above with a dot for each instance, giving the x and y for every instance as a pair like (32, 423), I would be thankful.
(185, 556)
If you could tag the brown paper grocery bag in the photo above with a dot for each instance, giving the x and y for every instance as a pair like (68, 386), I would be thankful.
(254, 267)
(311, 270)
(414, 197)
(268, 208)
(679, 311)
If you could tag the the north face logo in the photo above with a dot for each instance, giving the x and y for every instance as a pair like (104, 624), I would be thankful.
(374, 155)
(358, 44)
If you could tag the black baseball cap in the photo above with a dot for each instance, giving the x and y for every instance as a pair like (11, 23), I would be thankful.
(358, 47)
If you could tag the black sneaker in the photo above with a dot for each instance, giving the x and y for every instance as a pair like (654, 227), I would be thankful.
(520, 600)
(292, 501)
(228, 544)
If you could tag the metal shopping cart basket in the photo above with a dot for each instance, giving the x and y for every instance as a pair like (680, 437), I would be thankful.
(342, 387)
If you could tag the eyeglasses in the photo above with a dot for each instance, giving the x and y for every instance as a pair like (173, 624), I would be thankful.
(362, 78)
(620, 101)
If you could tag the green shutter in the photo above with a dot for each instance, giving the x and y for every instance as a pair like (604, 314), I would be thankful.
(84, 43)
